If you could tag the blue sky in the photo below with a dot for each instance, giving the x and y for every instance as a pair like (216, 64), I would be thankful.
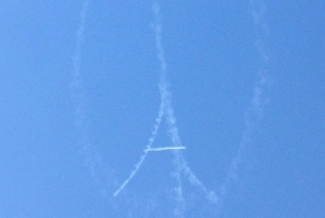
(247, 97)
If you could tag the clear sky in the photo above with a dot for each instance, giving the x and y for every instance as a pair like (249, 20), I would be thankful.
(88, 86)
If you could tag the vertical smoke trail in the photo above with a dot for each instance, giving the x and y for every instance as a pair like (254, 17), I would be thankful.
(254, 114)
(78, 50)
(181, 165)
(165, 102)
(76, 87)
(166, 110)
(92, 158)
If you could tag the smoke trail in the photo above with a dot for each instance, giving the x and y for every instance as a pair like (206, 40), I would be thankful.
(166, 110)
(166, 99)
(181, 165)
(254, 114)
(76, 84)
(148, 148)
(77, 94)
(166, 149)
(78, 50)
(92, 158)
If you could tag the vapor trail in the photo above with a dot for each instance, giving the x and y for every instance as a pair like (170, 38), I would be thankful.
(92, 158)
(166, 111)
(136, 168)
(166, 96)
(166, 148)
(148, 148)
(254, 114)
(77, 91)
(80, 39)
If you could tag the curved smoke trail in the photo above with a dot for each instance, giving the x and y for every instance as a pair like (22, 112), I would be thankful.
(254, 114)
(166, 110)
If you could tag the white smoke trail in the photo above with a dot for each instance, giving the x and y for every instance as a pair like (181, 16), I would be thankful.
(148, 148)
(80, 39)
(166, 99)
(166, 148)
(92, 158)
(76, 84)
(77, 92)
(254, 115)
(181, 165)
(166, 110)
